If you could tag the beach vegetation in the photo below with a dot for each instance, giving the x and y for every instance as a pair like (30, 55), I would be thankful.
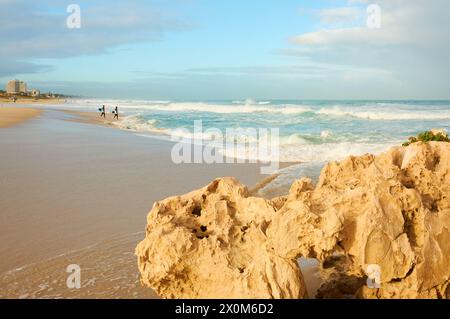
(428, 136)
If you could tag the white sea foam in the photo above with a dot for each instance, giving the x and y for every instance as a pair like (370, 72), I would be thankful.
(136, 123)
(234, 107)
(326, 146)
(308, 144)
(366, 112)
(251, 102)
(230, 109)
(325, 134)
(383, 114)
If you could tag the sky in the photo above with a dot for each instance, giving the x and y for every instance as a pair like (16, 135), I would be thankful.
(229, 49)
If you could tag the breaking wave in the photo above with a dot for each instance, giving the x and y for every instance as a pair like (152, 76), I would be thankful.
(310, 131)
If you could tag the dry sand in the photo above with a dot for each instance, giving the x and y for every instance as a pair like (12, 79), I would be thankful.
(12, 115)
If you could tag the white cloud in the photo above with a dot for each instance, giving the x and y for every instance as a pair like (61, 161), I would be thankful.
(32, 30)
(348, 36)
(351, 2)
(405, 22)
(411, 46)
(339, 15)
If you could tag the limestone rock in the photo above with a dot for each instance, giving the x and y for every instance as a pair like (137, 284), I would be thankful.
(211, 243)
(391, 211)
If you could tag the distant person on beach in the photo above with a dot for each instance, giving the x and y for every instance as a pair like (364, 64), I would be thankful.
(116, 113)
(102, 109)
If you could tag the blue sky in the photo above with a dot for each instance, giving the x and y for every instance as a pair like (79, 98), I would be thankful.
(199, 49)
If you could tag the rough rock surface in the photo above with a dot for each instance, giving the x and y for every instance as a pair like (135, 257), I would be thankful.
(211, 243)
(392, 210)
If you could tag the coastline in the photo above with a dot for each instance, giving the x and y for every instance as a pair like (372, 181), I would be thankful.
(94, 118)
(69, 185)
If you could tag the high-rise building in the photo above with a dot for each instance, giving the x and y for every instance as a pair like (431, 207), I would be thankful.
(23, 87)
(16, 87)
(13, 87)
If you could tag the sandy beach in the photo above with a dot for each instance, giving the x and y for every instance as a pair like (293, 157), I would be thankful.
(73, 192)
(22, 100)
(10, 116)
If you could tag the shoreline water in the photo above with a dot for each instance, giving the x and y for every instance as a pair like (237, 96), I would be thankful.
(95, 119)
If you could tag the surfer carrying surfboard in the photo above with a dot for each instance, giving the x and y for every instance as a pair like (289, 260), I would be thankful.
(103, 111)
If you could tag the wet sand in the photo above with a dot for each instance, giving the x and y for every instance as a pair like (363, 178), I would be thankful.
(91, 118)
(10, 116)
(67, 186)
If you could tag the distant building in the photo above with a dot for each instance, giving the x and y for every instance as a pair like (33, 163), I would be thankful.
(23, 87)
(13, 87)
(16, 87)
(35, 93)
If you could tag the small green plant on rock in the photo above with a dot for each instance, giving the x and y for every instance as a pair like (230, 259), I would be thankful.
(428, 136)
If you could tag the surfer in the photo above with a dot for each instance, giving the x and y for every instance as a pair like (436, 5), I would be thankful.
(103, 111)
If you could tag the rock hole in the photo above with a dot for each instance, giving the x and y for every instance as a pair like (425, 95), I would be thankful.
(333, 261)
(434, 207)
(203, 228)
(197, 211)
(408, 184)
(430, 203)
(410, 271)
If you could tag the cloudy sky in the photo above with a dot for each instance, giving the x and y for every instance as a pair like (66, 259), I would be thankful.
(229, 49)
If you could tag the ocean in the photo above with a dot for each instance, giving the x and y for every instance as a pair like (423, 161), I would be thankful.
(310, 131)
